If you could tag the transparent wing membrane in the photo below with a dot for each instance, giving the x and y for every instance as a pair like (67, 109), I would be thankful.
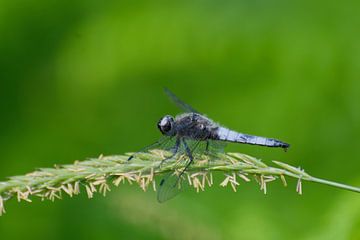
(164, 143)
(209, 147)
(182, 105)
(171, 184)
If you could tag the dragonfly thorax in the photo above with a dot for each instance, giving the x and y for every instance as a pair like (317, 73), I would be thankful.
(166, 125)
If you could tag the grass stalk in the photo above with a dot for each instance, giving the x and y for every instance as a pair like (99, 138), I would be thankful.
(96, 175)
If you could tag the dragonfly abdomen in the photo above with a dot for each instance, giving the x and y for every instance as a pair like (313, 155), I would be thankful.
(226, 134)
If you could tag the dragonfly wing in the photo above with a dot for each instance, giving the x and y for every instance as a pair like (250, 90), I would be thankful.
(170, 186)
(216, 146)
(207, 147)
(182, 105)
(165, 143)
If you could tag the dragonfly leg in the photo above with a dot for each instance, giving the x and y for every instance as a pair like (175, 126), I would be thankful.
(188, 153)
(175, 150)
(207, 146)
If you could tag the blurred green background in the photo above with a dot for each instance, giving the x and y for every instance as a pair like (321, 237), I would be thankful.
(84, 78)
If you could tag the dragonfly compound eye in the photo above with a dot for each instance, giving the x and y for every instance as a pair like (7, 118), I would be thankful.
(166, 124)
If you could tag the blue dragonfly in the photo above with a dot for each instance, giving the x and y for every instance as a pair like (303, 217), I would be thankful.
(192, 131)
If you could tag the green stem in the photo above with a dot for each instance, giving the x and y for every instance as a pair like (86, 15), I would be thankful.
(335, 184)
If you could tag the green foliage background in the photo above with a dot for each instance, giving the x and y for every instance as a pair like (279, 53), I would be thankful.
(81, 78)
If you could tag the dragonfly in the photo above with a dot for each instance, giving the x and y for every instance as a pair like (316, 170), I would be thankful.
(192, 132)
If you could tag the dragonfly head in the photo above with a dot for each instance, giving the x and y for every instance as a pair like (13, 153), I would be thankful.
(166, 125)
